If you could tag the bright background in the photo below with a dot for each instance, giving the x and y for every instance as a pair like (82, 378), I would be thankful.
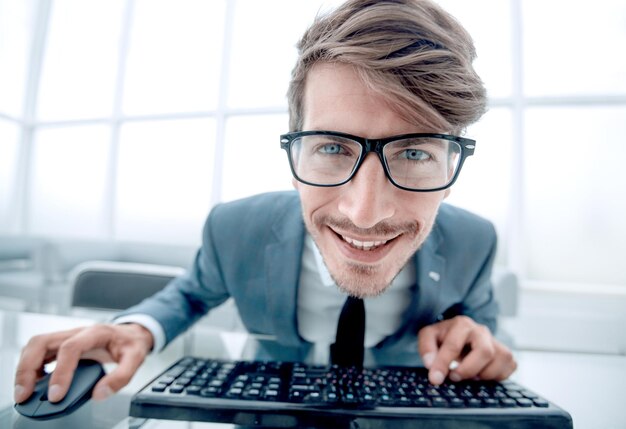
(130, 119)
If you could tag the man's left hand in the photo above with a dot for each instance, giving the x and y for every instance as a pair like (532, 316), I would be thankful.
(471, 345)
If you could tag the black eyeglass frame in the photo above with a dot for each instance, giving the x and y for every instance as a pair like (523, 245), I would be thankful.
(376, 145)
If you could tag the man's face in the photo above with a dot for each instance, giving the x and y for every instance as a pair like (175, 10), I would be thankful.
(367, 229)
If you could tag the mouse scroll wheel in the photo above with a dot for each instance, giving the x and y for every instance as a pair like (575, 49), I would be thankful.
(44, 396)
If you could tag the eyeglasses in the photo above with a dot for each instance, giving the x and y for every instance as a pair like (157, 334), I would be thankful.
(422, 162)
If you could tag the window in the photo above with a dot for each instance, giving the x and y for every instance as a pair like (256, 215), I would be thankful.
(575, 188)
(122, 116)
(164, 174)
(17, 23)
(80, 61)
(174, 57)
(9, 157)
(68, 188)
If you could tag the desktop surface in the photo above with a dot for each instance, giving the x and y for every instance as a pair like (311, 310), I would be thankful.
(588, 386)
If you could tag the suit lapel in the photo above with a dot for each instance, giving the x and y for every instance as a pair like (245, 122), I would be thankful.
(430, 269)
(282, 272)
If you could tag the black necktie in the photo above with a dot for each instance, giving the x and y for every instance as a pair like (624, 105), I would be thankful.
(348, 347)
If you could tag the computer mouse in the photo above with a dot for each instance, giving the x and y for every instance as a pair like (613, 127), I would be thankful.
(87, 374)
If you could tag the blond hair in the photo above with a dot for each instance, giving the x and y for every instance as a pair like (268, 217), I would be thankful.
(412, 52)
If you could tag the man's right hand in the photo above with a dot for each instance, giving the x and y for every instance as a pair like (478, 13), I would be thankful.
(126, 344)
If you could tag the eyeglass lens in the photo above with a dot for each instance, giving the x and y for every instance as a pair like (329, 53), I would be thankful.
(416, 163)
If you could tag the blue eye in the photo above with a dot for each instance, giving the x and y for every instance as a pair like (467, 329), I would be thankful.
(331, 149)
(416, 155)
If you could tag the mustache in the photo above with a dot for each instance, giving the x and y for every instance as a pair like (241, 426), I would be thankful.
(382, 228)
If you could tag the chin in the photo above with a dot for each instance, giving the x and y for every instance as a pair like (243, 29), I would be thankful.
(361, 281)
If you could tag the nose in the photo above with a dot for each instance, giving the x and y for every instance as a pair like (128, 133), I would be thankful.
(367, 198)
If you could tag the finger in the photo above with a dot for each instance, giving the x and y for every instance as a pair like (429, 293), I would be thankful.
(501, 367)
(482, 352)
(40, 350)
(129, 362)
(451, 349)
(428, 340)
(68, 355)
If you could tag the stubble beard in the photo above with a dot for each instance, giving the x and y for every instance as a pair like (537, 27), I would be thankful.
(364, 280)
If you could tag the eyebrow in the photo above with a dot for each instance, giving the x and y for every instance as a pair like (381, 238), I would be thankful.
(333, 138)
(413, 141)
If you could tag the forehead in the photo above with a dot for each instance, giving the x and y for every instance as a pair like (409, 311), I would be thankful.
(336, 98)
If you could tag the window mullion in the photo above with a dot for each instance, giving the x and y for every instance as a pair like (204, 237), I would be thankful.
(221, 114)
(516, 255)
(31, 92)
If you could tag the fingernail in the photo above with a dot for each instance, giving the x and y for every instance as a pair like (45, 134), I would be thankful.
(454, 376)
(54, 393)
(428, 359)
(101, 393)
(437, 377)
(18, 391)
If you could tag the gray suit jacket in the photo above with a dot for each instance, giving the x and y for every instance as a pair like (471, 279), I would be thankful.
(252, 249)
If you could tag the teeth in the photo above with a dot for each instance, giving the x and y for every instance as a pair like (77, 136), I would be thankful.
(363, 245)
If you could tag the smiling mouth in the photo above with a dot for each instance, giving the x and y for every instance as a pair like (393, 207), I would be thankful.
(364, 245)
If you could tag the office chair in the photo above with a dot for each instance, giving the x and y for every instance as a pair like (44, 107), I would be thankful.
(114, 286)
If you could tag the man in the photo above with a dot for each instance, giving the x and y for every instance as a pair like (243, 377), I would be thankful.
(390, 77)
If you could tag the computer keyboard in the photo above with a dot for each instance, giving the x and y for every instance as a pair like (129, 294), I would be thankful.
(287, 394)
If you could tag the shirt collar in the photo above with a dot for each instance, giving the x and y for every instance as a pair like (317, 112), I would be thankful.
(325, 276)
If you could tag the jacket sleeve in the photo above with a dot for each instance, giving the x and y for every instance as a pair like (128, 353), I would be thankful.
(480, 303)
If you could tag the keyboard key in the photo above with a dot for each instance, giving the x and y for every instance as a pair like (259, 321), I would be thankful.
(456, 402)
(474, 403)
(439, 402)
(296, 395)
(302, 387)
(176, 389)
(386, 400)
(491, 402)
(421, 402)
(209, 392)
(332, 397)
(313, 397)
(403, 401)
(193, 390)
(167, 379)
(524, 402)
(160, 387)
(508, 402)
(252, 393)
(183, 381)
(235, 391)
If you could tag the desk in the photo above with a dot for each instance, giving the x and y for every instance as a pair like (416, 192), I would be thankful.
(590, 387)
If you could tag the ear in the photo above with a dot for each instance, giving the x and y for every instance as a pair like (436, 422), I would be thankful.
(446, 193)
(295, 183)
